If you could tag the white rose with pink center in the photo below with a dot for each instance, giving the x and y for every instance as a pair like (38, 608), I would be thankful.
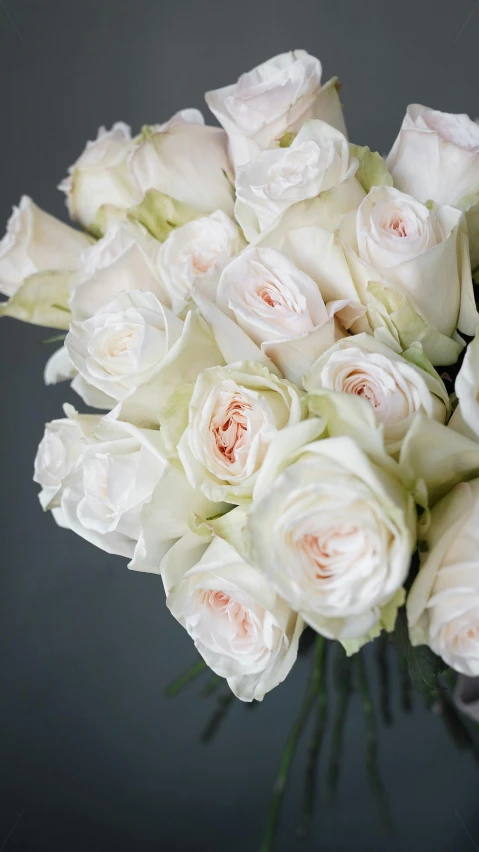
(241, 627)
(222, 426)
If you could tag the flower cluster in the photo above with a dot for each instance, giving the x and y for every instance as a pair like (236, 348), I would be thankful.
(266, 318)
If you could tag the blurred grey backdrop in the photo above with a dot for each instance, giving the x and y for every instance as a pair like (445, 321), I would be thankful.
(93, 755)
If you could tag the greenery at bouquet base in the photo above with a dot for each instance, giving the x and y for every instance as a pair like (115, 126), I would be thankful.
(332, 681)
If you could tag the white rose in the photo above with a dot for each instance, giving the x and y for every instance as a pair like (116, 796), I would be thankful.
(126, 258)
(420, 253)
(275, 98)
(101, 176)
(61, 446)
(36, 242)
(124, 344)
(280, 308)
(466, 416)
(317, 160)
(187, 161)
(244, 631)
(443, 604)
(333, 531)
(197, 249)
(436, 157)
(231, 415)
(397, 387)
(123, 496)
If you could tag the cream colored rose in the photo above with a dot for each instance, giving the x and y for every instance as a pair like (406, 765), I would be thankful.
(281, 309)
(443, 604)
(241, 627)
(396, 386)
(194, 252)
(436, 157)
(36, 242)
(333, 531)
(125, 259)
(187, 161)
(60, 448)
(418, 252)
(124, 344)
(317, 160)
(275, 98)
(101, 175)
(231, 415)
(123, 496)
(466, 416)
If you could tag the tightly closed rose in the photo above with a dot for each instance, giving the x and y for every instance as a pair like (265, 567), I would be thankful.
(395, 386)
(436, 157)
(196, 250)
(317, 160)
(443, 604)
(273, 99)
(333, 531)
(60, 448)
(187, 161)
(36, 242)
(420, 253)
(281, 309)
(101, 176)
(231, 415)
(245, 632)
(124, 497)
(126, 258)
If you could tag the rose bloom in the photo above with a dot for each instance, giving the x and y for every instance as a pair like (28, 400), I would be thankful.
(122, 495)
(193, 251)
(36, 242)
(466, 416)
(126, 258)
(333, 531)
(100, 176)
(395, 388)
(244, 631)
(275, 98)
(232, 414)
(317, 160)
(443, 604)
(436, 157)
(280, 308)
(420, 253)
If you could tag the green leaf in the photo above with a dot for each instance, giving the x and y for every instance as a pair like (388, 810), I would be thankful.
(423, 665)
(160, 214)
(372, 170)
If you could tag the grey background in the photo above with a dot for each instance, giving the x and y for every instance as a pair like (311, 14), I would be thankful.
(92, 755)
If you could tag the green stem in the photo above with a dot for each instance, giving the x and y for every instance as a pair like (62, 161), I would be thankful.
(222, 706)
(211, 686)
(406, 689)
(179, 683)
(384, 682)
(316, 739)
(377, 785)
(282, 777)
(345, 690)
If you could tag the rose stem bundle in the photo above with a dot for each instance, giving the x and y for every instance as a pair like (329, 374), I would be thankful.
(280, 783)
(344, 686)
(317, 738)
(384, 680)
(185, 678)
(372, 745)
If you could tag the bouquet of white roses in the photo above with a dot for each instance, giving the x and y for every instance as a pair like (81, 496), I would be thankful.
(267, 318)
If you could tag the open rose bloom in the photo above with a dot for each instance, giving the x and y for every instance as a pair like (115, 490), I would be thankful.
(266, 320)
